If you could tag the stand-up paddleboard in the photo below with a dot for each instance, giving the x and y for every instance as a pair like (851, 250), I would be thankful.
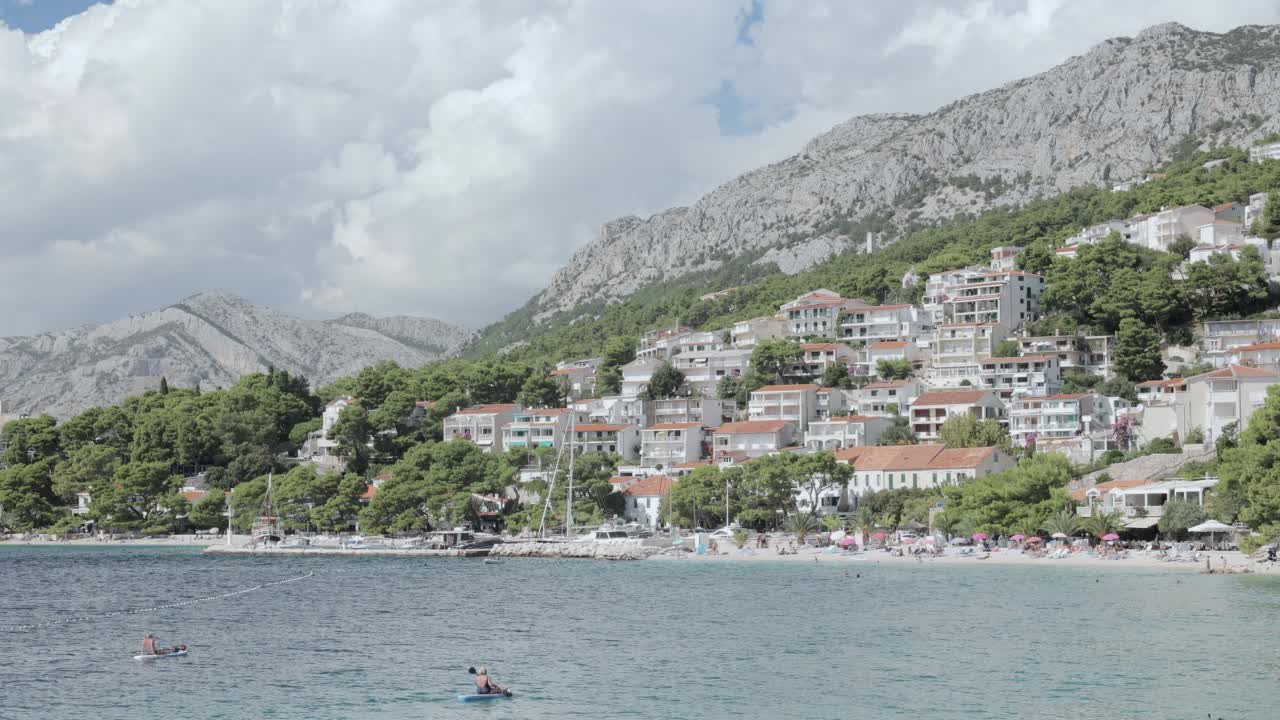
(145, 658)
(486, 696)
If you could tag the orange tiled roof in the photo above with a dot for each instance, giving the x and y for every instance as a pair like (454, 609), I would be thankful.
(1238, 371)
(950, 397)
(889, 344)
(488, 409)
(652, 486)
(751, 426)
(1106, 487)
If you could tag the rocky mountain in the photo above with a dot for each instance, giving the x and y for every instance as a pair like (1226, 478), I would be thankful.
(1103, 117)
(210, 340)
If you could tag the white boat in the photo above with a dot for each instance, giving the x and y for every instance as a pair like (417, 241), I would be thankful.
(603, 535)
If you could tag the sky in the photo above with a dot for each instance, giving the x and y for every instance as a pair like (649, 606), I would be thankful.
(440, 158)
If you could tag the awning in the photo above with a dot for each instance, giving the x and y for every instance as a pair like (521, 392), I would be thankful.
(1142, 523)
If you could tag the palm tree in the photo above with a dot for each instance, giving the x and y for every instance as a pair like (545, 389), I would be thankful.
(1102, 523)
(1064, 522)
(801, 525)
(1025, 528)
(865, 520)
(946, 524)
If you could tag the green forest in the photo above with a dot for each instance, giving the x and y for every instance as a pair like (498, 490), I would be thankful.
(132, 457)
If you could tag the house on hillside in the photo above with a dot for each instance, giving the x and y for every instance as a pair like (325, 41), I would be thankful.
(735, 442)
(835, 433)
(888, 397)
(893, 467)
(480, 424)
(621, 440)
(644, 500)
(932, 409)
(795, 404)
(667, 444)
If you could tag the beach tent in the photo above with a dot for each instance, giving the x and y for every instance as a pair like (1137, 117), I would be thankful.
(1213, 527)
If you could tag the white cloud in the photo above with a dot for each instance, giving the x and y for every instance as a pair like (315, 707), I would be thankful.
(442, 158)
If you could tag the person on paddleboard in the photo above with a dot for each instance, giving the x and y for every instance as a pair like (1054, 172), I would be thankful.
(485, 684)
(149, 646)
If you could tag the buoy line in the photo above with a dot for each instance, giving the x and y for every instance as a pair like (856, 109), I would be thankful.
(167, 606)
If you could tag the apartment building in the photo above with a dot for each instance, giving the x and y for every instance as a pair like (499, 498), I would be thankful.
(888, 350)
(643, 500)
(932, 409)
(1255, 209)
(942, 287)
(542, 427)
(956, 349)
(888, 397)
(845, 431)
(1047, 420)
(1005, 258)
(667, 444)
(704, 369)
(1158, 231)
(621, 440)
(1084, 353)
(481, 424)
(795, 404)
(815, 314)
(1219, 233)
(815, 358)
(1094, 233)
(872, 323)
(1026, 375)
(637, 374)
(1223, 397)
(662, 343)
(705, 411)
(1264, 355)
(735, 442)
(325, 443)
(747, 333)
(832, 402)
(1219, 337)
(1009, 298)
(578, 378)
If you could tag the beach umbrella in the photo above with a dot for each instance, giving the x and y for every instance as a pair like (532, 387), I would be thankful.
(1033, 539)
(847, 540)
(909, 541)
(879, 536)
(1059, 536)
(1019, 536)
(837, 535)
(1213, 527)
(931, 540)
(1111, 536)
(979, 536)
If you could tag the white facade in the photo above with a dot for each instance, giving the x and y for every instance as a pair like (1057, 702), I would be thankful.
(918, 466)
(670, 444)
(957, 349)
(481, 425)
(1094, 233)
(1158, 230)
(1026, 375)
(1086, 353)
(735, 442)
(637, 374)
(326, 443)
(545, 427)
(942, 287)
(1009, 298)
(883, 322)
(883, 398)
(796, 404)
(747, 333)
(704, 369)
(1219, 232)
(644, 500)
(815, 313)
(1223, 397)
(848, 431)
(1255, 209)
(932, 409)
(621, 440)
(706, 411)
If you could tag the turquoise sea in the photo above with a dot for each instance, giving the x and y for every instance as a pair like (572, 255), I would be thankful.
(391, 638)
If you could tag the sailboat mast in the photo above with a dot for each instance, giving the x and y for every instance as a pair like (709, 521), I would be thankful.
(568, 500)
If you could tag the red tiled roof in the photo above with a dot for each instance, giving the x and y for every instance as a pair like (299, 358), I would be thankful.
(193, 495)
(599, 427)
(1223, 206)
(950, 397)
(751, 426)
(369, 492)
(888, 344)
(488, 409)
(961, 457)
(689, 465)
(1068, 396)
(1071, 249)
(1273, 345)
(674, 426)
(623, 479)
(822, 346)
(653, 486)
(786, 388)
(565, 371)
(913, 457)
(1237, 371)
(1162, 383)
(886, 384)
(851, 419)
(426, 404)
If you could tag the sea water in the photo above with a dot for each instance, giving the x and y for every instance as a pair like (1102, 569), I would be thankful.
(392, 638)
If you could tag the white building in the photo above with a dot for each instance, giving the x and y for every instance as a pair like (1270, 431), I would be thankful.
(894, 467)
(1005, 258)
(1224, 397)
(637, 374)
(1025, 375)
(542, 427)
(1094, 233)
(815, 358)
(1141, 503)
(835, 433)
(883, 322)
(957, 350)
(1157, 231)
(621, 440)
(1085, 353)
(735, 442)
(1264, 355)
(1219, 337)
(1009, 298)
(661, 344)
(746, 333)
(578, 377)
(1255, 209)
(326, 443)
(796, 404)
(1047, 420)
(815, 314)
(644, 500)
(889, 350)
(832, 402)
(888, 397)
(1219, 232)
(941, 288)
(704, 369)
(1270, 151)
(668, 444)
(481, 424)
(932, 409)
(705, 411)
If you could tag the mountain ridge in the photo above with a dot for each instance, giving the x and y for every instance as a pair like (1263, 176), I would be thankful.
(1104, 116)
(208, 339)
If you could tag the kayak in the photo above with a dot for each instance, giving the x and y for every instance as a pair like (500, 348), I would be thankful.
(486, 696)
(145, 658)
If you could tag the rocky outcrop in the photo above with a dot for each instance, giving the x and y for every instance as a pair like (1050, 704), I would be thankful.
(1106, 116)
(627, 550)
(207, 340)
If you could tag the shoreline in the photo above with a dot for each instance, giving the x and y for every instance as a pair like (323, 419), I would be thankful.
(1224, 562)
